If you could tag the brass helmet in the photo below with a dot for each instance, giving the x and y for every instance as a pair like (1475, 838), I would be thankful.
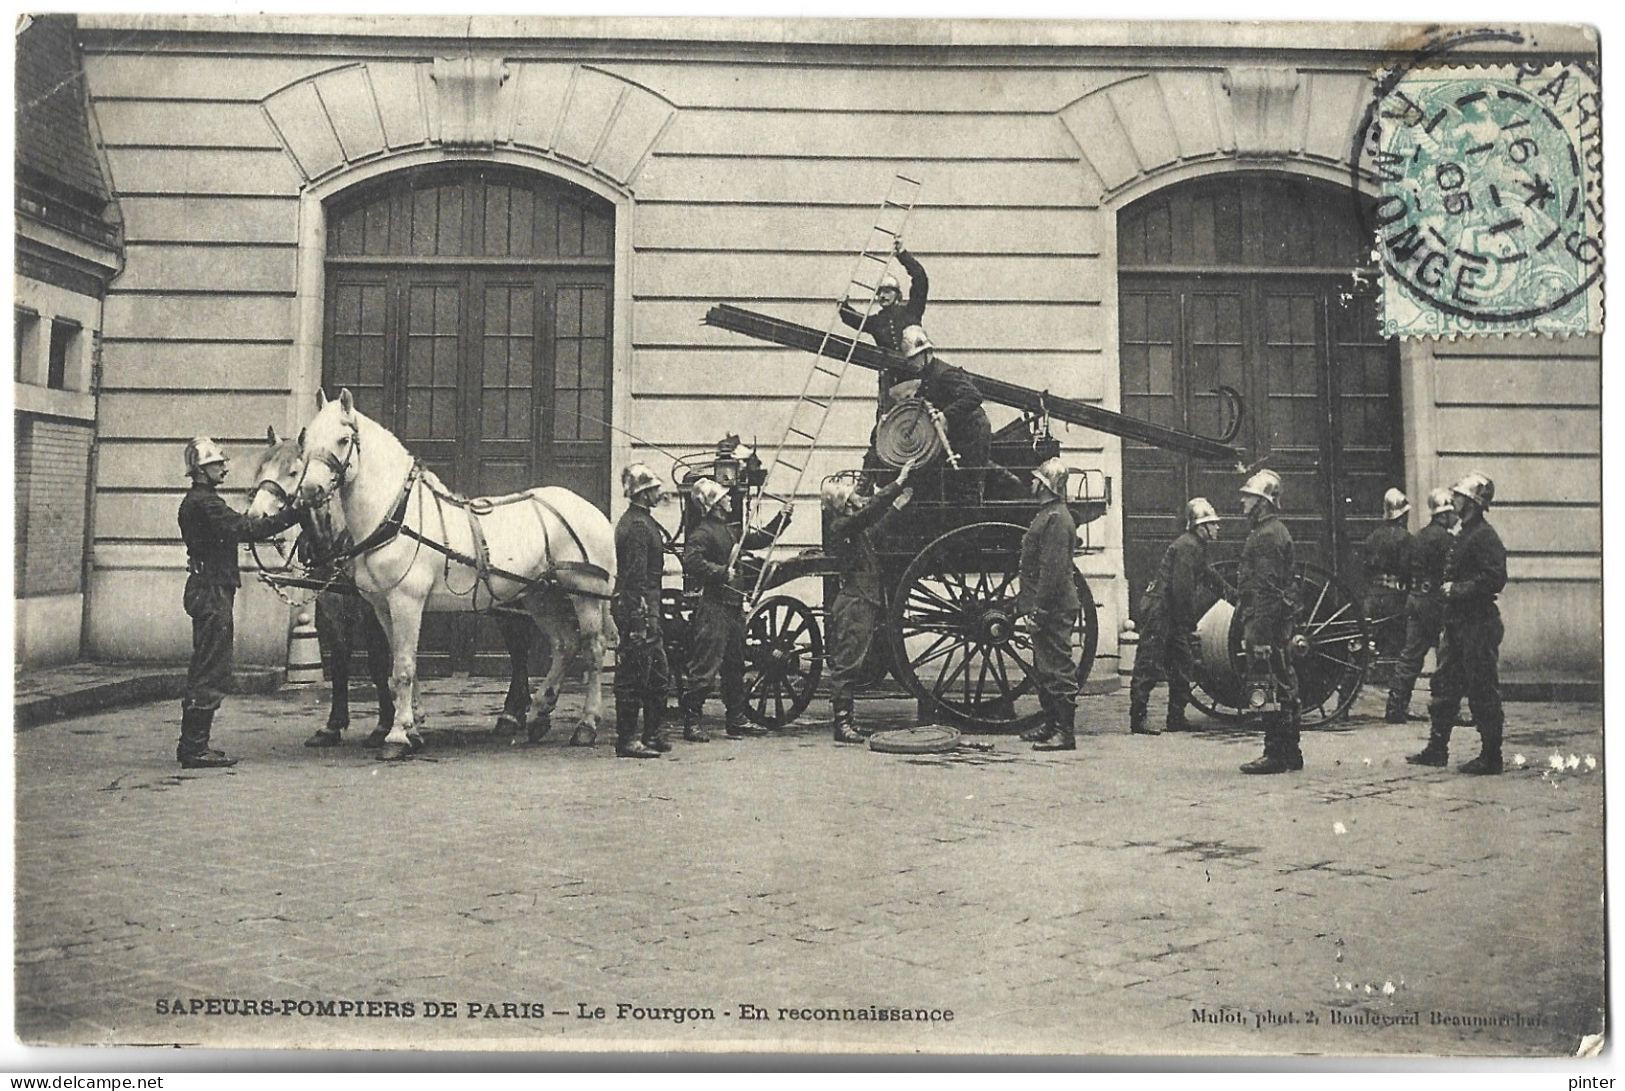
(1199, 511)
(637, 478)
(836, 493)
(1477, 488)
(1051, 473)
(1266, 485)
(888, 281)
(1394, 505)
(1438, 500)
(915, 342)
(200, 452)
(707, 493)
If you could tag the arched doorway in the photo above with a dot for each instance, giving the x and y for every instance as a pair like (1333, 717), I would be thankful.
(468, 310)
(1261, 282)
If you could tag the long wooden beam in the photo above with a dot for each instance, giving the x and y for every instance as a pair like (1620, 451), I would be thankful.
(793, 335)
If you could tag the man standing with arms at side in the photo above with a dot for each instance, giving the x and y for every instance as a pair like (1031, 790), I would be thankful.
(212, 530)
(1168, 617)
(1267, 578)
(1424, 609)
(642, 676)
(1470, 645)
(1387, 574)
(1050, 595)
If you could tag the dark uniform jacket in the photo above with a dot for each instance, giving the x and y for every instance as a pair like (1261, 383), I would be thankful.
(951, 391)
(1476, 570)
(1046, 562)
(1387, 553)
(1184, 568)
(706, 553)
(1268, 565)
(848, 542)
(1429, 550)
(212, 530)
(886, 324)
(639, 562)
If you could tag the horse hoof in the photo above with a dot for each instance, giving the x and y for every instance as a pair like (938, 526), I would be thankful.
(327, 736)
(537, 730)
(584, 736)
(507, 724)
(394, 751)
(414, 740)
(375, 740)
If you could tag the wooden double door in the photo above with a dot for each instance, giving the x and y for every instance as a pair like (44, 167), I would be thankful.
(496, 376)
(1321, 396)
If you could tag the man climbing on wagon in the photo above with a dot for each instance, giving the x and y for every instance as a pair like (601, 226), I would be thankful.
(212, 529)
(953, 394)
(642, 675)
(1266, 579)
(716, 636)
(1049, 595)
(1167, 618)
(859, 605)
(891, 314)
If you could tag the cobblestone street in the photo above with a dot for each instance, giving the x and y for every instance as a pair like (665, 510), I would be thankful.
(1090, 902)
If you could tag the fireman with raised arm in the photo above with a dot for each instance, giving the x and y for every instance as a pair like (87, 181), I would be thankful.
(716, 636)
(1266, 582)
(1424, 607)
(642, 675)
(1387, 574)
(1168, 616)
(1475, 572)
(212, 530)
(1049, 594)
(860, 604)
(891, 314)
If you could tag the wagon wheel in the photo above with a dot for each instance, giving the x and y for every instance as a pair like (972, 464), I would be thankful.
(1331, 648)
(784, 657)
(955, 642)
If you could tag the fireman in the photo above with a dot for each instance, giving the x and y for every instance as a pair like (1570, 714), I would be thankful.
(859, 605)
(642, 676)
(1424, 609)
(1387, 573)
(716, 636)
(953, 394)
(212, 530)
(1267, 575)
(891, 314)
(1475, 571)
(1168, 617)
(1050, 595)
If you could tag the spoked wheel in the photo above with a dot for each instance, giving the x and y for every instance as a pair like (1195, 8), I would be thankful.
(956, 643)
(1331, 650)
(784, 658)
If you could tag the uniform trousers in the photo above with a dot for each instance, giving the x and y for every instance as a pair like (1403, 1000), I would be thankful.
(853, 621)
(1469, 666)
(1424, 618)
(1386, 610)
(716, 644)
(209, 605)
(1055, 673)
(642, 673)
(1164, 655)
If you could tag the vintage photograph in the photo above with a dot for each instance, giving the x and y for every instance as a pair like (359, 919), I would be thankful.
(745, 535)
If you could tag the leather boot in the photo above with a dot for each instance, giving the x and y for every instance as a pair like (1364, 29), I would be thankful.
(1488, 762)
(1045, 729)
(193, 751)
(1138, 721)
(627, 743)
(1398, 710)
(654, 722)
(1175, 720)
(1290, 751)
(737, 727)
(1061, 717)
(692, 731)
(1437, 752)
(1273, 760)
(843, 729)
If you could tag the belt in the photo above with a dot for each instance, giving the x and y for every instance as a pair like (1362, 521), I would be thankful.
(1393, 583)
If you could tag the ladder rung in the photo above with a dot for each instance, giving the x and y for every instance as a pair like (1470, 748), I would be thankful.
(822, 404)
(787, 462)
(881, 258)
(889, 203)
(826, 370)
(885, 231)
(907, 179)
(865, 287)
(807, 435)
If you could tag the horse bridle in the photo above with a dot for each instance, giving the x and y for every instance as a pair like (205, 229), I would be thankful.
(339, 467)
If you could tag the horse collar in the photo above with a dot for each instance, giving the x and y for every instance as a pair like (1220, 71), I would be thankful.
(390, 526)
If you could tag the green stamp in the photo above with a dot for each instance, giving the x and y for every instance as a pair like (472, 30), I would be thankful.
(1489, 213)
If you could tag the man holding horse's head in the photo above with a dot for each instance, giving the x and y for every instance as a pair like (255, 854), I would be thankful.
(212, 530)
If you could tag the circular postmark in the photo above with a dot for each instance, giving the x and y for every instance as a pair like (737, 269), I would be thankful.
(1488, 210)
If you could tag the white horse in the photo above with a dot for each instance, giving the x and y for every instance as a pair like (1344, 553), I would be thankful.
(421, 547)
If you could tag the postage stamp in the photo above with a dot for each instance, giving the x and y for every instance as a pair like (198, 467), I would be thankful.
(1489, 218)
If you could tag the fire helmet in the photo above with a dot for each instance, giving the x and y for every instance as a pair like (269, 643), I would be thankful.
(1394, 505)
(707, 493)
(1051, 473)
(200, 452)
(915, 342)
(888, 281)
(1266, 485)
(1199, 511)
(836, 493)
(637, 478)
(1438, 500)
(1477, 488)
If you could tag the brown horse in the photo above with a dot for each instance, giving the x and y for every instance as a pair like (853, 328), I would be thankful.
(344, 619)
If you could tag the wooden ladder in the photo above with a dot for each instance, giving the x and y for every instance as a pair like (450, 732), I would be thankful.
(811, 411)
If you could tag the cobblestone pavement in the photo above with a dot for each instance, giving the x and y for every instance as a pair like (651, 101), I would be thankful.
(1101, 901)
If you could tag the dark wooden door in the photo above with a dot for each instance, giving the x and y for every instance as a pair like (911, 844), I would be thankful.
(471, 317)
